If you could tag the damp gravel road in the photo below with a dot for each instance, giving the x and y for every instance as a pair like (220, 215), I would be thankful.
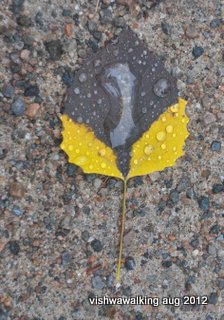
(58, 226)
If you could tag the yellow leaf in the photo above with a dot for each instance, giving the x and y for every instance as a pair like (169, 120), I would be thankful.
(162, 144)
(86, 151)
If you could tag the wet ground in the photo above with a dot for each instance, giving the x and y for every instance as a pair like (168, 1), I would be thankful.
(59, 227)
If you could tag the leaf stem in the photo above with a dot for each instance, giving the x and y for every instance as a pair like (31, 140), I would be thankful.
(118, 275)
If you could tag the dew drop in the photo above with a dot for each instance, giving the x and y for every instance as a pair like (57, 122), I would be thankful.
(79, 119)
(103, 165)
(148, 149)
(81, 160)
(102, 152)
(97, 63)
(77, 150)
(174, 149)
(144, 110)
(174, 135)
(90, 166)
(159, 157)
(163, 146)
(162, 88)
(70, 147)
(76, 90)
(163, 119)
(183, 120)
(82, 77)
(174, 108)
(169, 129)
(135, 162)
(160, 136)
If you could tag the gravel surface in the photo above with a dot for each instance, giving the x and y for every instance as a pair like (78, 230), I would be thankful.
(59, 227)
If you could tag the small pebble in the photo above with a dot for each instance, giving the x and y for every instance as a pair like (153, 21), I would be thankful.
(25, 54)
(216, 146)
(166, 28)
(96, 245)
(167, 263)
(24, 21)
(17, 211)
(97, 183)
(106, 16)
(16, 6)
(14, 247)
(209, 118)
(3, 153)
(71, 169)
(65, 258)
(217, 188)
(213, 298)
(39, 19)
(67, 78)
(215, 23)
(197, 51)
(54, 48)
(97, 283)
(8, 90)
(183, 184)
(32, 110)
(211, 250)
(18, 107)
(220, 283)
(174, 196)
(97, 35)
(31, 91)
(66, 12)
(129, 263)
(85, 235)
(17, 190)
(203, 203)
(92, 26)
(194, 243)
(3, 315)
(76, 19)
(191, 32)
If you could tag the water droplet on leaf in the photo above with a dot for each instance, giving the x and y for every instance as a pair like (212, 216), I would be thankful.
(82, 77)
(169, 129)
(161, 136)
(148, 149)
(81, 160)
(76, 90)
(162, 88)
(103, 165)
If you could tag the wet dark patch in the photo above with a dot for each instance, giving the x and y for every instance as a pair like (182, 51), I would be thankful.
(122, 79)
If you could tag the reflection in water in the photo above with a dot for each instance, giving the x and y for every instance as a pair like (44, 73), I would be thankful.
(119, 82)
